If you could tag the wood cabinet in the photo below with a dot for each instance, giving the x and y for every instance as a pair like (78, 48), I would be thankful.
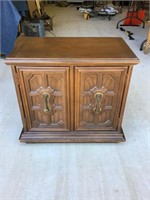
(72, 89)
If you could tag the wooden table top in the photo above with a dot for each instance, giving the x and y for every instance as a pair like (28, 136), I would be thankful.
(70, 48)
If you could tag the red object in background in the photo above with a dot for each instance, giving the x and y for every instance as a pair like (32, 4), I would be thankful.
(133, 20)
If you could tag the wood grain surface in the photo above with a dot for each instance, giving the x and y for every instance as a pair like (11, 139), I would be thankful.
(102, 49)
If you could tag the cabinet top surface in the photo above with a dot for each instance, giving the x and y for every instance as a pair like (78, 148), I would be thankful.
(70, 48)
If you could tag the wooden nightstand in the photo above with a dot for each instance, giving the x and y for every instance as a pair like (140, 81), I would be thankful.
(72, 89)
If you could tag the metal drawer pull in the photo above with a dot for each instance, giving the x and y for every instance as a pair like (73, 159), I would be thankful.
(98, 97)
(46, 99)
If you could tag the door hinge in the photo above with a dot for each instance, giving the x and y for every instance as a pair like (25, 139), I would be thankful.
(25, 124)
(126, 78)
(127, 74)
(17, 78)
(118, 124)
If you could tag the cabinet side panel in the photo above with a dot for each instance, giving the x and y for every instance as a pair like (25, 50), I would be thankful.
(19, 96)
(124, 96)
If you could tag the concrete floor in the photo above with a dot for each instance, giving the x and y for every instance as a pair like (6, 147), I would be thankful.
(79, 171)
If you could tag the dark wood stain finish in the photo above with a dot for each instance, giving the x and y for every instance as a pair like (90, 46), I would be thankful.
(71, 89)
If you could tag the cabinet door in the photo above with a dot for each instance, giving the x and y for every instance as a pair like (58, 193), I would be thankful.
(98, 97)
(45, 96)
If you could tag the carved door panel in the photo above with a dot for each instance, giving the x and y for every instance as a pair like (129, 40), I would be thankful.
(98, 97)
(45, 98)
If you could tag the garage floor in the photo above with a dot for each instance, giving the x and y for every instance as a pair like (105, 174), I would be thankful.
(79, 171)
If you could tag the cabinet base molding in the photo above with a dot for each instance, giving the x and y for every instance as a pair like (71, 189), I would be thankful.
(71, 137)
